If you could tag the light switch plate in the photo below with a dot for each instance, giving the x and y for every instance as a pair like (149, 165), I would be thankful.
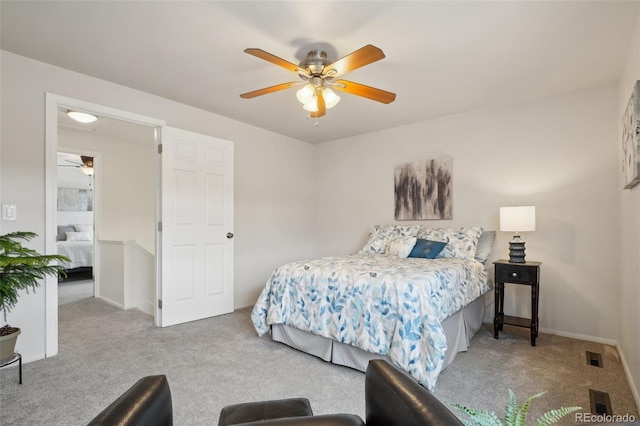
(9, 212)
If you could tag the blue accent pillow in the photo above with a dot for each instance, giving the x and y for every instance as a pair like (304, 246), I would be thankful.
(427, 249)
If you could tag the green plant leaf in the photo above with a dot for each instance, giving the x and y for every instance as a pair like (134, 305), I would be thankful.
(523, 409)
(553, 416)
(22, 268)
(479, 416)
(510, 409)
(514, 415)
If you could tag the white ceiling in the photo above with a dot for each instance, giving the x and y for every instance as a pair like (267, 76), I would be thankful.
(442, 57)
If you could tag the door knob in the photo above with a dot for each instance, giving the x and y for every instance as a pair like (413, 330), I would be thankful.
(229, 235)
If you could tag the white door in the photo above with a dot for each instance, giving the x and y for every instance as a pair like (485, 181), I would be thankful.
(196, 248)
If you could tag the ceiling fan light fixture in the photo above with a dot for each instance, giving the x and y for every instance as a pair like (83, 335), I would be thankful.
(330, 98)
(87, 170)
(306, 94)
(82, 117)
(312, 105)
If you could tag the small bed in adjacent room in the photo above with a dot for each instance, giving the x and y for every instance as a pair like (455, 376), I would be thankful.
(76, 243)
(412, 295)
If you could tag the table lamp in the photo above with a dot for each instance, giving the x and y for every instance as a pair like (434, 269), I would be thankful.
(517, 219)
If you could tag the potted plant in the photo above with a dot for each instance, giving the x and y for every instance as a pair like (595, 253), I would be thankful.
(515, 415)
(21, 268)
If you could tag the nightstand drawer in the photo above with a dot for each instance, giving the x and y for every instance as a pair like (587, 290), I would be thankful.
(516, 275)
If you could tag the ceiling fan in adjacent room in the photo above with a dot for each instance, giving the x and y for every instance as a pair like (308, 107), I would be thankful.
(86, 166)
(319, 75)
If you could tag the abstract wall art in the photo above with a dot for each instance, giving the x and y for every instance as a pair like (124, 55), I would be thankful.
(423, 190)
(630, 140)
(71, 199)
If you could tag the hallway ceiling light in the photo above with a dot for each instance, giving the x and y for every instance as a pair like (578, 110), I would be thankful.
(82, 117)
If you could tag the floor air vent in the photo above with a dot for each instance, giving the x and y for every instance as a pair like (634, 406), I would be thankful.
(594, 359)
(600, 403)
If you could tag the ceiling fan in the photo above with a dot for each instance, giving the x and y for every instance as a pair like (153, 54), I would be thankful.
(319, 73)
(86, 166)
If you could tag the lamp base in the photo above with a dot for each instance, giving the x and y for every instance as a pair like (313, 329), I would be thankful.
(516, 250)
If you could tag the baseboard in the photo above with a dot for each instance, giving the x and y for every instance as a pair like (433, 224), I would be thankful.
(111, 302)
(586, 337)
(28, 360)
(627, 372)
(144, 307)
(490, 313)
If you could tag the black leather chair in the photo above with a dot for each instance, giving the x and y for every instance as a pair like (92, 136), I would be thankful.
(392, 397)
(148, 402)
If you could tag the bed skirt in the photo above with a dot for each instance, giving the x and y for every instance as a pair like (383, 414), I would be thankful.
(458, 328)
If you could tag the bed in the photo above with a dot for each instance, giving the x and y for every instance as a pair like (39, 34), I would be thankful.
(384, 302)
(76, 243)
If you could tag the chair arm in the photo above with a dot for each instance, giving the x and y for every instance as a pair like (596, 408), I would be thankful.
(392, 397)
(147, 402)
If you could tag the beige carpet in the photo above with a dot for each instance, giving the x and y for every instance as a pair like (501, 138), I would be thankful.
(220, 361)
(73, 290)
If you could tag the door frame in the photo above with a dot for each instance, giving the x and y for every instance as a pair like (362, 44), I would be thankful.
(97, 205)
(52, 103)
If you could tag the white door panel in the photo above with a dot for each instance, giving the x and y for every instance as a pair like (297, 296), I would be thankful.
(197, 215)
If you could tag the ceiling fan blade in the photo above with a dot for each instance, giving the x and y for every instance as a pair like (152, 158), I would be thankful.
(361, 57)
(322, 105)
(267, 90)
(259, 53)
(87, 161)
(364, 91)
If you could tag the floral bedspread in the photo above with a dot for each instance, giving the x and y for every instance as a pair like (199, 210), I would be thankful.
(379, 303)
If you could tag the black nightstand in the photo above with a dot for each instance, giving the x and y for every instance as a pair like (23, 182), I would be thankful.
(527, 273)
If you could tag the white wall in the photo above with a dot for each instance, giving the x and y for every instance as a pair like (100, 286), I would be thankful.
(127, 274)
(273, 174)
(126, 185)
(559, 154)
(629, 230)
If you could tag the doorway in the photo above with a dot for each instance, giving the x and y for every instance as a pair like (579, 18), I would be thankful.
(194, 246)
(75, 222)
(89, 140)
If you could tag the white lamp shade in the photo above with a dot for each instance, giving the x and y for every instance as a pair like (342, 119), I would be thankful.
(312, 105)
(330, 98)
(518, 218)
(306, 94)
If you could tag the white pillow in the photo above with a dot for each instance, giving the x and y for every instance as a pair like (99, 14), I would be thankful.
(79, 236)
(401, 247)
(380, 235)
(461, 243)
(485, 245)
(83, 228)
